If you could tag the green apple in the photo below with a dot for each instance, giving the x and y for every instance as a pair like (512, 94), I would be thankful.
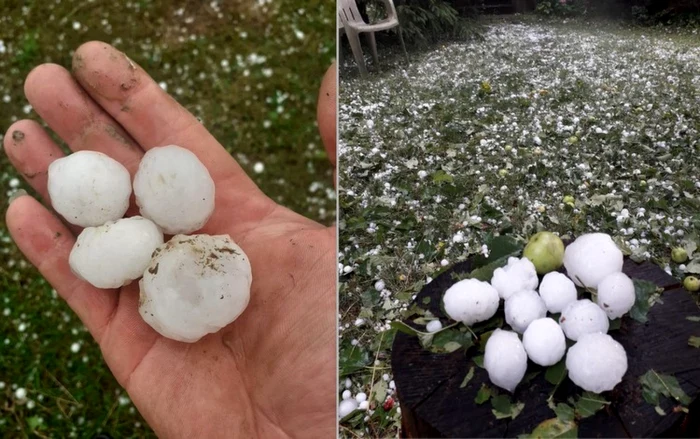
(679, 255)
(691, 283)
(546, 251)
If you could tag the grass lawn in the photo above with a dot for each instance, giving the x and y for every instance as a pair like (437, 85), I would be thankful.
(249, 70)
(483, 137)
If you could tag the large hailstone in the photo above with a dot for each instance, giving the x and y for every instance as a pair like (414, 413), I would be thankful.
(596, 363)
(116, 253)
(471, 301)
(89, 188)
(590, 258)
(195, 285)
(616, 295)
(544, 342)
(517, 275)
(523, 308)
(557, 291)
(174, 189)
(583, 317)
(505, 359)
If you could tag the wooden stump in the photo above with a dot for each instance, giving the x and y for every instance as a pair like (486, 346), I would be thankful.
(434, 405)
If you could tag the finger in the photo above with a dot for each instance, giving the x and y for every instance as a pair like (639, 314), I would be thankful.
(326, 112)
(46, 242)
(31, 151)
(76, 118)
(150, 115)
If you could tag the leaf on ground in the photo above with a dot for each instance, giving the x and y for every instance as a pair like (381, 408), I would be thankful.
(483, 394)
(352, 358)
(380, 391)
(442, 177)
(479, 361)
(529, 377)
(555, 428)
(694, 341)
(467, 378)
(644, 291)
(450, 340)
(504, 408)
(615, 325)
(485, 273)
(655, 384)
(588, 404)
(693, 266)
(402, 327)
(660, 411)
(693, 318)
(564, 412)
(34, 422)
(555, 374)
(499, 246)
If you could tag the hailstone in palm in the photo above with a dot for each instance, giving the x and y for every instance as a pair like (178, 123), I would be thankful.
(583, 317)
(174, 189)
(544, 342)
(517, 275)
(616, 295)
(116, 253)
(195, 285)
(505, 359)
(471, 301)
(596, 362)
(89, 188)
(523, 308)
(590, 258)
(557, 291)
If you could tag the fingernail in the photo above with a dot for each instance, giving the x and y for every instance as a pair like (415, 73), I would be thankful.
(18, 193)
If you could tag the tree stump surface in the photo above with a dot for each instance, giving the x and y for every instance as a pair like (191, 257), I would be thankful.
(434, 405)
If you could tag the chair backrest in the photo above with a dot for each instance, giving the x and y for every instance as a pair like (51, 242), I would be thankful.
(348, 12)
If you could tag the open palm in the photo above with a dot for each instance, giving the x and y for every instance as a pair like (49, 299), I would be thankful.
(271, 373)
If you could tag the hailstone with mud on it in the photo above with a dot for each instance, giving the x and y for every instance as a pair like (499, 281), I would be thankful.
(89, 188)
(195, 285)
(616, 295)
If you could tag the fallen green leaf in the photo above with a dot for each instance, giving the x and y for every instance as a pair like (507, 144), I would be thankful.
(402, 327)
(483, 394)
(693, 318)
(467, 378)
(564, 412)
(615, 325)
(479, 361)
(655, 384)
(588, 404)
(503, 408)
(499, 246)
(555, 428)
(644, 291)
(352, 358)
(555, 374)
(694, 341)
(485, 273)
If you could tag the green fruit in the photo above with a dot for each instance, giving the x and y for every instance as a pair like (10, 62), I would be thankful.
(509, 148)
(502, 172)
(691, 283)
(546, 251)
(679, 255)
(573, 140)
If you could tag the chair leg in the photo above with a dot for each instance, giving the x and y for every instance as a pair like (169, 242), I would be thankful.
(354, 40)
(403, 45)
(373, 46)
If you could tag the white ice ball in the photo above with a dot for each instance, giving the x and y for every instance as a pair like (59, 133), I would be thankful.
(590, 258)
(505, 359)
(195, 285)
(362, 396)
(116, 253)
(616, 295)
(174, 189)
(596, 362)
(89, 188)
(471, 301)
(433, 326)
(544, 342)
(583, 317)
(557, 291)
(523, 308)
(517, 275)
(346, 407)
(347, 394)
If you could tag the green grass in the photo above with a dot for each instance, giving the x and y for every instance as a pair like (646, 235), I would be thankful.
(486, 137)
(204, 55)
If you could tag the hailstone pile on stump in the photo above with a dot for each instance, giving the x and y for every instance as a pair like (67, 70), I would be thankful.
(593, 262)
(191, 285)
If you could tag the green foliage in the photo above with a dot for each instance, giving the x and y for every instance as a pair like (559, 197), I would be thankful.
(655, 385)
(554, 428)
(430, 21)
(561, 8)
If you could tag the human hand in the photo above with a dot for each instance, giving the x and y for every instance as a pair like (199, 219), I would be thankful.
(272, 372)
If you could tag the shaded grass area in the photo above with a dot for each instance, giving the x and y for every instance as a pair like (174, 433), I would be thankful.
(249, 70)
(492, 136)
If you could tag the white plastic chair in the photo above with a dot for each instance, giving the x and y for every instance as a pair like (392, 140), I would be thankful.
(353, 24)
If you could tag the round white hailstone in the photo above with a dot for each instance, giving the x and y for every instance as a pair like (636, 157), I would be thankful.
(517, 275)
(616, 295)
(544, 342)
(195, 285)
(174, 189)
(364, 405)
(471, 301)
(362, 396)
(505, 359)
(596, 362)
(523, 308)
(590, 258)
(583, 317)
(116, 253)
(346, 407)
(89, 188)
(433, 326)
(557, 291)
(347, 394)
(21, 394)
